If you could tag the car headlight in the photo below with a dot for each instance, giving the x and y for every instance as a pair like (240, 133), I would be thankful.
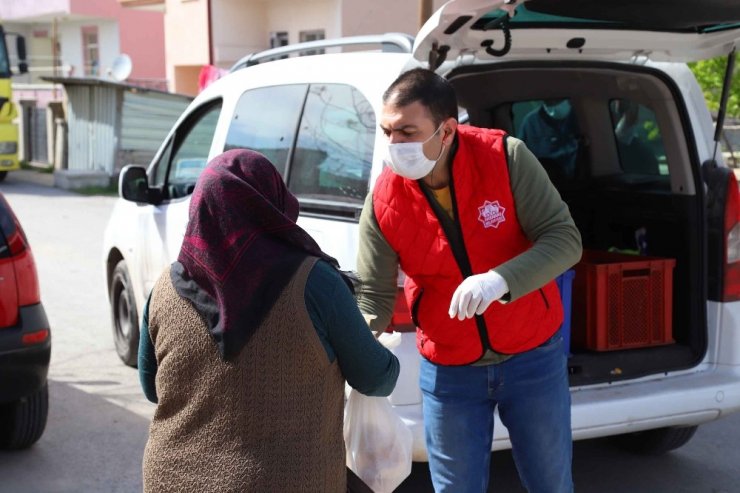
(8, 147)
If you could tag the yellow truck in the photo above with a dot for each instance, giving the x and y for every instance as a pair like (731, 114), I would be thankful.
(8, 111)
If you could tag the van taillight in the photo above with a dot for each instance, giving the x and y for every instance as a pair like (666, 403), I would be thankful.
(731, 288)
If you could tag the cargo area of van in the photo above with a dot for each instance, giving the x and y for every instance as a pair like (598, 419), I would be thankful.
(638, 297)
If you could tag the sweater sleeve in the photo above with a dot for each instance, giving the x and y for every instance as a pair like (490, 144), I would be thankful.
(365, 363)
(546, 221)
(147, 360)
(377, 268)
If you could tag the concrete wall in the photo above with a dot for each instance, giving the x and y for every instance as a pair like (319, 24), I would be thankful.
(293, 17)
(185, 79)
(239, 29)
(381, 16)
(186, 41)
(244, 26)
(16, 9)
(39, 48)
(140, 35)
(142, 38)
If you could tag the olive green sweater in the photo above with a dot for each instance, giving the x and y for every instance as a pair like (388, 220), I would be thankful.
(542, 214)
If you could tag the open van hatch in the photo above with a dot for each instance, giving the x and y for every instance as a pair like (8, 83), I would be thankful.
(580, 51)
(472, 31)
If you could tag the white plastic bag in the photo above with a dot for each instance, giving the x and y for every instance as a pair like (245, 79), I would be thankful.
(378, 443)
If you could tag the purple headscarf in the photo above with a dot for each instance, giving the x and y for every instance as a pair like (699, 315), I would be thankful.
(241, 247)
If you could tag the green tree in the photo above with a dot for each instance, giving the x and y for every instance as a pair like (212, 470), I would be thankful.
(710, 74)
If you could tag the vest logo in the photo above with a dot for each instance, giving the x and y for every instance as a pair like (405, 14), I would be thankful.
(491, 214)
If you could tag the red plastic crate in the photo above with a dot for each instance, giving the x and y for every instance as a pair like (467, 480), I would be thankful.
(622, 301)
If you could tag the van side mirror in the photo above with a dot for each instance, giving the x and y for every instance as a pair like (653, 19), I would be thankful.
(133, 185)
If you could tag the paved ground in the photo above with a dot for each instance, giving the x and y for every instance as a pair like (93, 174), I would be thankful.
(98, 421)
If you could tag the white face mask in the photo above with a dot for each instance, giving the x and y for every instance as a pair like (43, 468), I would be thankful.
(407, 159)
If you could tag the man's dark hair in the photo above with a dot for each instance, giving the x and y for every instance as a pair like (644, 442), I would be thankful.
(430, 89)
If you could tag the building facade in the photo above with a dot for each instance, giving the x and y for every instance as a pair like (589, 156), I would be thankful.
(220, 32)
(79, 38)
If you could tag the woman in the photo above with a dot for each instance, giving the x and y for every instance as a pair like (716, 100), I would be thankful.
(251, 335)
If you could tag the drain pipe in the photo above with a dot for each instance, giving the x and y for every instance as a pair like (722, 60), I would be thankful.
(209, 7)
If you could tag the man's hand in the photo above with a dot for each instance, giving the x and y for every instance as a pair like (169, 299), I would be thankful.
(474, 295)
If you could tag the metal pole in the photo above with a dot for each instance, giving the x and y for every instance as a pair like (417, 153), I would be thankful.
(54, 52)
(425, 11)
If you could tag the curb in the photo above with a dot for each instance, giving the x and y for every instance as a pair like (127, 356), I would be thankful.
(35, 177)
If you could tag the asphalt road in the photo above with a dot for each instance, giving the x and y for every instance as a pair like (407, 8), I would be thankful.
(98, 417)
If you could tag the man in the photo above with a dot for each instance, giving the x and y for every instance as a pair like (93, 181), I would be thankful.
(551, 133)
(480, 233)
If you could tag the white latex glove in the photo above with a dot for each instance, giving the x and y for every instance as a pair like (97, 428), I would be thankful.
(475, 294)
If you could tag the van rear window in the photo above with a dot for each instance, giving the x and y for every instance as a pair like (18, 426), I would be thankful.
(638, 139)
(550, 130)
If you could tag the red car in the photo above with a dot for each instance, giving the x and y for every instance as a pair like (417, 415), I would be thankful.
(25, 339)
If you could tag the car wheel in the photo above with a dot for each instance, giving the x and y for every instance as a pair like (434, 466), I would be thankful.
(124, 315)
(3, 174)
(23, 422)
(656, 442)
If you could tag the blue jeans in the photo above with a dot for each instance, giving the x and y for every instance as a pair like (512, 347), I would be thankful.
(531, 392)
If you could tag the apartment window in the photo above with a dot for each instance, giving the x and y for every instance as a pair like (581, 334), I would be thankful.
(91, 50)
(313, 35)
(278, 39)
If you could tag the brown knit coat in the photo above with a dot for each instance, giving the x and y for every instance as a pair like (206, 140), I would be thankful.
(269, 422)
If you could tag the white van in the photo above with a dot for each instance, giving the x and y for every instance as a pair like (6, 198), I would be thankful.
(316, 118)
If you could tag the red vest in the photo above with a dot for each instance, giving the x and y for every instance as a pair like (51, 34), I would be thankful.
(486, 215)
